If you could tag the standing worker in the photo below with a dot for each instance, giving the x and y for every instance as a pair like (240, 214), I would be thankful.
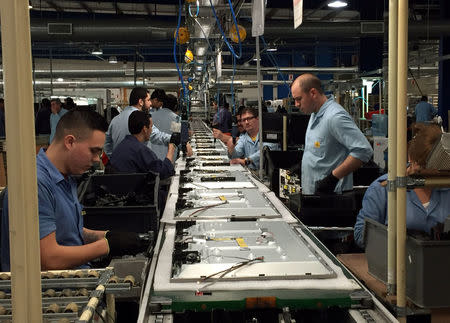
(425, 112)
(334, 146)
(57, 112)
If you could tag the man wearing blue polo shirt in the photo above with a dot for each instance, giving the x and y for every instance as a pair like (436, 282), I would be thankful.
(64, 242)
(334, 146)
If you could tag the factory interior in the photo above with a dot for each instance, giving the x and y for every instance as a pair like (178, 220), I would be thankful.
(224, 161)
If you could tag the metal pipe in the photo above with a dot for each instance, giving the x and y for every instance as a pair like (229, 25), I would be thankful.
(21, 163)
(392, 145)
(401, 156)
(140, 31)
(258, 77)
(96, 72)
(172, 84)
(284, 133)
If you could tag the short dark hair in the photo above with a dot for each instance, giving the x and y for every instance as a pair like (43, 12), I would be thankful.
(251, 110)
(159, 94)
(424, 98)
(240, 109)
(171, 102)
(57, 100)
(45, 103)
(137, 120)
(80, 122)
(138, 93)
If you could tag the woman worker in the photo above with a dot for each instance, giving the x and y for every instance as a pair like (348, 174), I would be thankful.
(425, 207)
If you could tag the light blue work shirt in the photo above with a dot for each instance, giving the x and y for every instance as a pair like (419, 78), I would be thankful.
(118, 129)
(54, 119)
(247, 148)
(424, 111)
(331, 137)
(374, 206)
(59, 209)
(163, 118)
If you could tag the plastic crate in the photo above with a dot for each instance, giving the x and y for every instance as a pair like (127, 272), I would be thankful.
(427, 265)
(133, 218)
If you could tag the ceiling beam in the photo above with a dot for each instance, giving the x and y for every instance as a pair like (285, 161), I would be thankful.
(116, 7)
(84, 5)
(54, 6)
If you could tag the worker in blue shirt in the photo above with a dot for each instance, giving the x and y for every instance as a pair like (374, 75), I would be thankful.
(425, 207)
(57, 112)
(64, 241)
(118, 128)
(132, 155)
(425, 112)
(334, 146)
(246, 150)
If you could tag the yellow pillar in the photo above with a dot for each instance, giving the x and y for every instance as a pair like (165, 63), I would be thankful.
(21, 161)
(401, 156)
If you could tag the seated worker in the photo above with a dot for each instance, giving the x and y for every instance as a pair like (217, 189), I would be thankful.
(246, 150)
(64, 242)
(425, 111)
(425, 207)
(224, 137)
(132, 155)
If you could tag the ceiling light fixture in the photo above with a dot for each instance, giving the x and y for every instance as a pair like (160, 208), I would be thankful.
(337, 4)
(60, 79)
(112, 59)
(97, 51)
(272, 48)
(30, 6)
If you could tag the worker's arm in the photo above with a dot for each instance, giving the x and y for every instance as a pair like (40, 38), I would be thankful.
(348, 166)
(170, 152)
(221, 136)
(55, 256)
(374, 206)
(92, 235)
(158, 137)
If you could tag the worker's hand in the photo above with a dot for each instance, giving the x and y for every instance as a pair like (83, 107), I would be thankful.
(327, 184)
(175, 139)
(125, 243)
(189, 151)
(240, 161)
(217, 134)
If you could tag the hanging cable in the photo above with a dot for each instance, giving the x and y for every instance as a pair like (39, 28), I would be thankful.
(180, 74)
(272, 59)
(230, 47)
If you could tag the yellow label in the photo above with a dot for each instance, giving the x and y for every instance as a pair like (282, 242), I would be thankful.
(222, 198)
(317, 144)
(241, 243)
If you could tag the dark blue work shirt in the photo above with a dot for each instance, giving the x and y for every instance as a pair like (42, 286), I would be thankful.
(133, 156)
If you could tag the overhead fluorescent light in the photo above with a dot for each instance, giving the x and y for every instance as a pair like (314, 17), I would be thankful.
(60, 79)
(112, 59)
(97, 51)
(30, 6)
(272, 49)
(337, 4)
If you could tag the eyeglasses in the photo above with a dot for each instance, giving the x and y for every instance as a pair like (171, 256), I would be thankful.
(247, 119)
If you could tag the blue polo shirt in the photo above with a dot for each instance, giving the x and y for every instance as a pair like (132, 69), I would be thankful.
(59, 209)
(418, 217)
(248, 148)
(331, 136)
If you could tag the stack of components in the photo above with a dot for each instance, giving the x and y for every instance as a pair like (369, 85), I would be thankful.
(66, 294)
